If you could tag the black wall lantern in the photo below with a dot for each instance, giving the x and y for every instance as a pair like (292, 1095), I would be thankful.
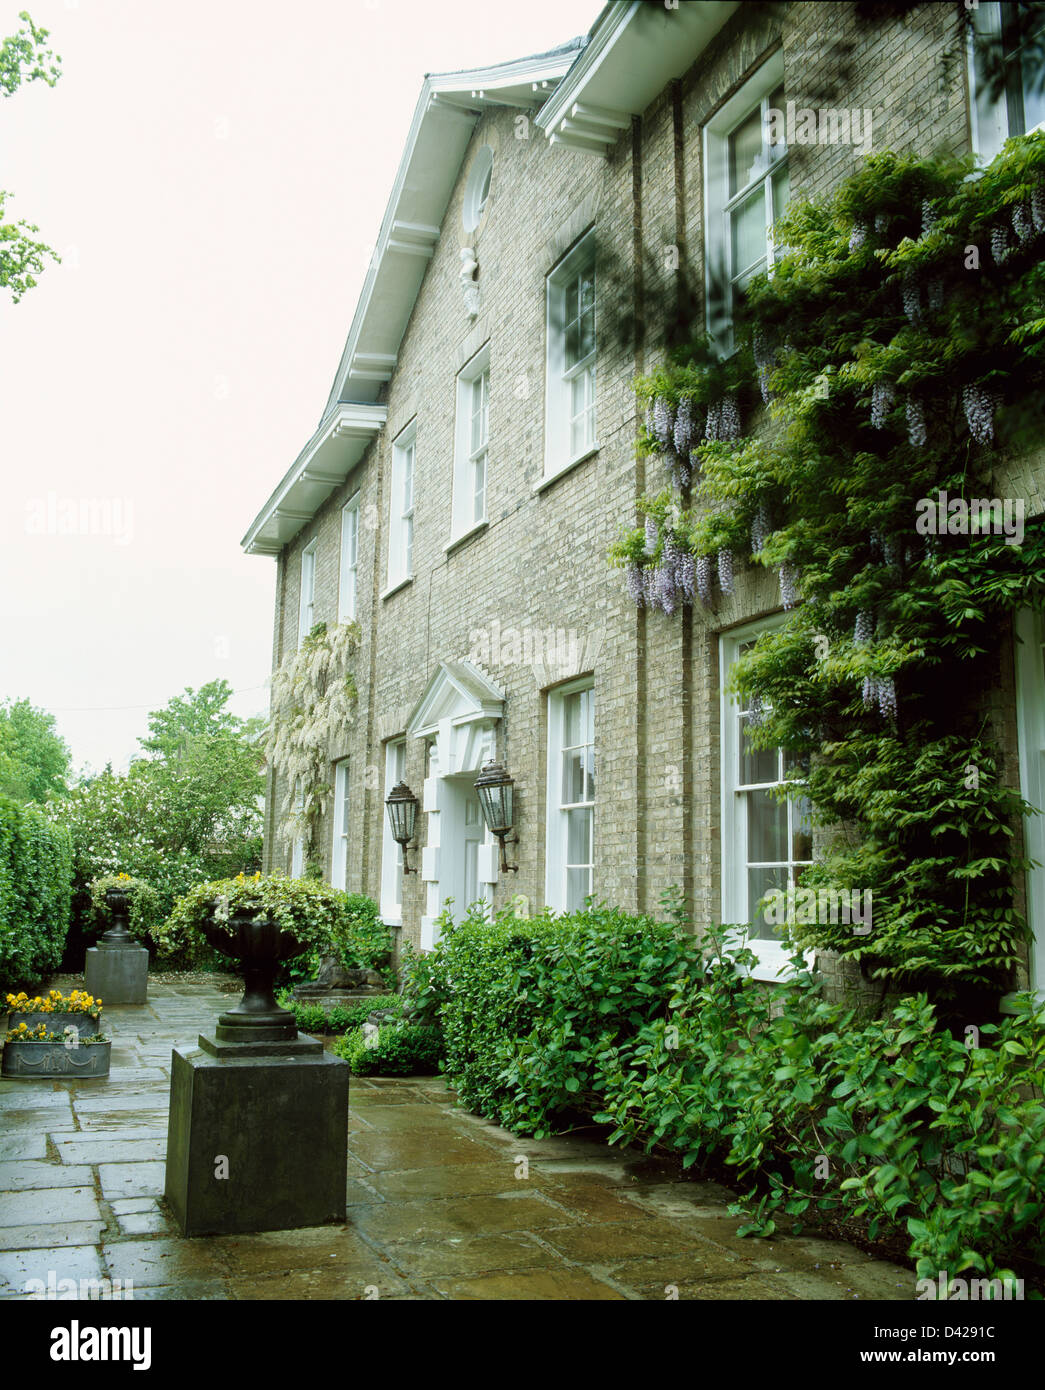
(402, 816)
(496, 796)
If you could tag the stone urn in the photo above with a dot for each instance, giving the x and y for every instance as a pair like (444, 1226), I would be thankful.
(119, 904)
(258, 947)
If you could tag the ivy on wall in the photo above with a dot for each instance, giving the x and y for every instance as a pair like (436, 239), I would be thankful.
(852, 443)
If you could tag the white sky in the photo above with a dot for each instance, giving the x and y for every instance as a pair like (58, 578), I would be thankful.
(213, 174)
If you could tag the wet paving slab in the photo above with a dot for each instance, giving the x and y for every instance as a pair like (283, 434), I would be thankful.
(442, 1204)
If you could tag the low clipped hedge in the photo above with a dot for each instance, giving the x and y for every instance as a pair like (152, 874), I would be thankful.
(35, 893)
(890, 1123)
(398, 1047)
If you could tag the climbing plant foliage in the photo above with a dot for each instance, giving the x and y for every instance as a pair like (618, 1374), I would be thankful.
(857, 439)
(314, 699)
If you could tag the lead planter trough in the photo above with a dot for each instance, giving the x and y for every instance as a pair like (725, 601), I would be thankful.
(53, 1060)
(257, 1133)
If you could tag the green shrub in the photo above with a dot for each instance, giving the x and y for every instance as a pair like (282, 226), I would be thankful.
(313, 1018)
(396, 1049)
(892, 1123)
(35, 887)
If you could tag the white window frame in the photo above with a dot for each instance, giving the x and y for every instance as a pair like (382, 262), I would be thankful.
(1030, 727)
(559, 453)
(297, 849)
(341, 811)
(467, 514)
(348, 579)
(773, 960)
(989, 119)
(401, 509)
(391, 854)
(719, 203)
(556, 892)
(307, 594)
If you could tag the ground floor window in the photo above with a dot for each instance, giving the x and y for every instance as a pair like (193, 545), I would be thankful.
(766, 842)
(571, 796)
(339, 850)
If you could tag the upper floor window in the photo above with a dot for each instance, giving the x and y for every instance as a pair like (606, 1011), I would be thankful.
(1007, 73)
(349, 560)
(746, 191)
(401, 509)
(471, 444)
(570, 398)
(307, 608)
(766, 842)
(571, 797)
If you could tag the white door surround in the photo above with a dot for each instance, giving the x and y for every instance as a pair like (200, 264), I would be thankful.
(458, 715)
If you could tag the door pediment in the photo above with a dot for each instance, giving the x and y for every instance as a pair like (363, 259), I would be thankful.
(459, 693)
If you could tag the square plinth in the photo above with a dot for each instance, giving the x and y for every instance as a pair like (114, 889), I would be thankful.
(117, 976)
(256, 1142)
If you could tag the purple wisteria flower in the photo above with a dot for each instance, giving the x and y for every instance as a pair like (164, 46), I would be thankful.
(979, 412)
(649, 590)
(1037, 209)
(1000, 247)
(857, 236)
(886, 696)
(1022, 222)
(711, 424)
(633, 580)
(703, 579)
(756, 714)
(764, 363)
(881, 223)
(729, 419)
(663, 421)
(684, 425)
(916, 431)
(686, 576)
(930, 216)
(788, 585)
(863, 629)
(666, 589)
(912, 297)
(891, 550)
(882, 396)
(652, 535)
(725, 570)
(760, 528)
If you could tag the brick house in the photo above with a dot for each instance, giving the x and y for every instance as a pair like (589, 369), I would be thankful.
(476, 456)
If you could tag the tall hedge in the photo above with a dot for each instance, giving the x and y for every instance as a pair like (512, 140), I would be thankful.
(35, 891)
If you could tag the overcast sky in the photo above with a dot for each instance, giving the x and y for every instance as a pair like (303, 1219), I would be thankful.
(213, 174)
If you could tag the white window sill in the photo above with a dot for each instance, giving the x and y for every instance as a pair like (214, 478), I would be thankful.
(399, 584)
(455, 541)
(392, 918)
(550, 478)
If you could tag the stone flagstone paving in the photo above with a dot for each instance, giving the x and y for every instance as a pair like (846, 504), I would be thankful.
(436, 1209)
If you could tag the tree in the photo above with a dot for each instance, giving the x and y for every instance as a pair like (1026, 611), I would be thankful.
(23, 58)
(34, 759)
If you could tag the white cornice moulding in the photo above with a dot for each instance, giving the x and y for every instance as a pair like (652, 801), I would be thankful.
(321, 467)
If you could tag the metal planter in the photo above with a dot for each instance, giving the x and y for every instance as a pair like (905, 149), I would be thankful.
(39, 1061)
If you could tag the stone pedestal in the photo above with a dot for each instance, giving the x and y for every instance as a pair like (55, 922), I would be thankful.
(257, 1136)
(117, 974)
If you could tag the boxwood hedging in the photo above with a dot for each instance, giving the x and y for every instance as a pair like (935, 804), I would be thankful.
(892, 1123)
(35, 887)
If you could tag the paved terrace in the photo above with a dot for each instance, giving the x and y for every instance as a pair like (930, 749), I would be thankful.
(436, 1210)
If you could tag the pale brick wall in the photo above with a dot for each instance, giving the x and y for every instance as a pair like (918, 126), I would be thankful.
(540, 562)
